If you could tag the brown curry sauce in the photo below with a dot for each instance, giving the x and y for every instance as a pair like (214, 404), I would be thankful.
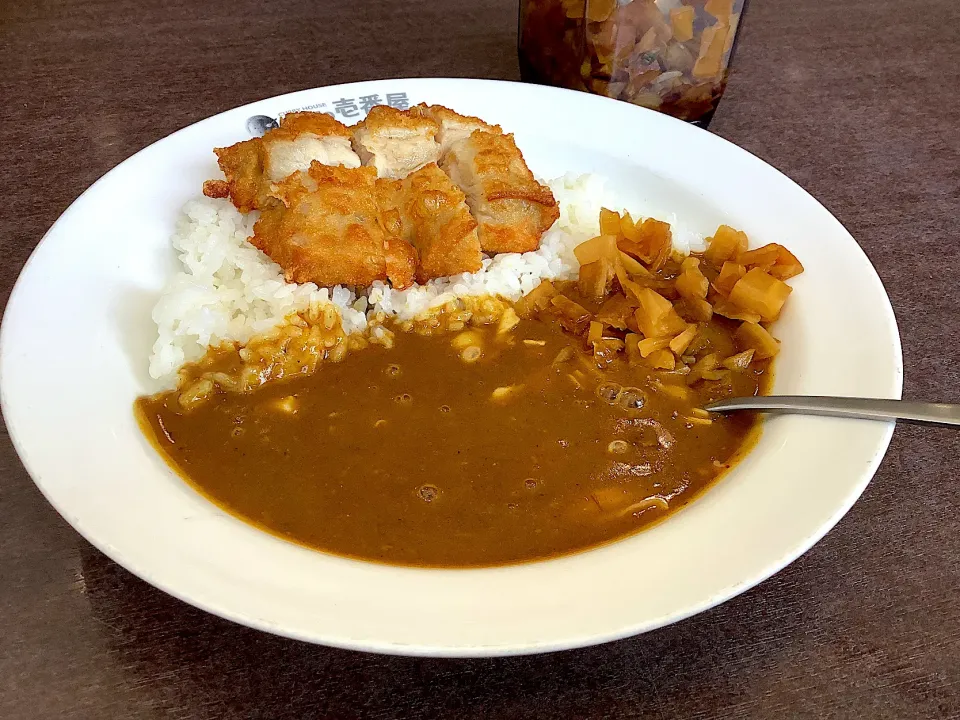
(412, 456)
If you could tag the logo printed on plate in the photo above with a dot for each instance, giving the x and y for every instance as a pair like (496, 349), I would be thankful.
(355, 108)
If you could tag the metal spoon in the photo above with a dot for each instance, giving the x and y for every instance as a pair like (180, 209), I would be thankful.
(859, 408)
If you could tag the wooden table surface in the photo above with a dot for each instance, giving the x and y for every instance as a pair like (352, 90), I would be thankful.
(858, 100)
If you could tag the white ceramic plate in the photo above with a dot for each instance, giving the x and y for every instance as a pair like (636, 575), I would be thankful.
(77, 333)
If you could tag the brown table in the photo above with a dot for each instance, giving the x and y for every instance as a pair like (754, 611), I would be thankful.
(858, 101)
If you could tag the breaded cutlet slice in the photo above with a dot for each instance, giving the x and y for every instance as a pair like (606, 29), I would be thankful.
(326, 227)
(453, 126)
(433, 216)
(513, 209)
(304, 138)
(242, 165)
(252, 166)
(396, 142)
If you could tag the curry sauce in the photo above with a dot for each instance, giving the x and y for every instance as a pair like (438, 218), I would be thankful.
(458, 450)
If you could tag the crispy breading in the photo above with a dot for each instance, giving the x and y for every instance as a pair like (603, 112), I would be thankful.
(326, 228)
(401, 261)
(320, 124)
(216, 188)
(252, 166)
(513, 209)
(430, 213)
(453, 126)
(242, 164)
(396, 142)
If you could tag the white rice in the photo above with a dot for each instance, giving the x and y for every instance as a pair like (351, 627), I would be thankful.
(228, 291)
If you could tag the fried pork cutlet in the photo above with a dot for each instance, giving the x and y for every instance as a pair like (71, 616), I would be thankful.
(453, 126)
(252, 166)
(513, 209)
(326, 227)
(395, 142)
(432, 215)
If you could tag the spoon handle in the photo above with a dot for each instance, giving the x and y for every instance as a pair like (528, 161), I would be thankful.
(859, 408)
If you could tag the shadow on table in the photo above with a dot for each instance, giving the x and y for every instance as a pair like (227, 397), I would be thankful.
(184, 658)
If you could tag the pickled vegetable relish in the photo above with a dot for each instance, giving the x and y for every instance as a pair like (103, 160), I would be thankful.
(638, 297)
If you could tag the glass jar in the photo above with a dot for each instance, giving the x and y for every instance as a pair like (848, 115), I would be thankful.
(667, 55)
